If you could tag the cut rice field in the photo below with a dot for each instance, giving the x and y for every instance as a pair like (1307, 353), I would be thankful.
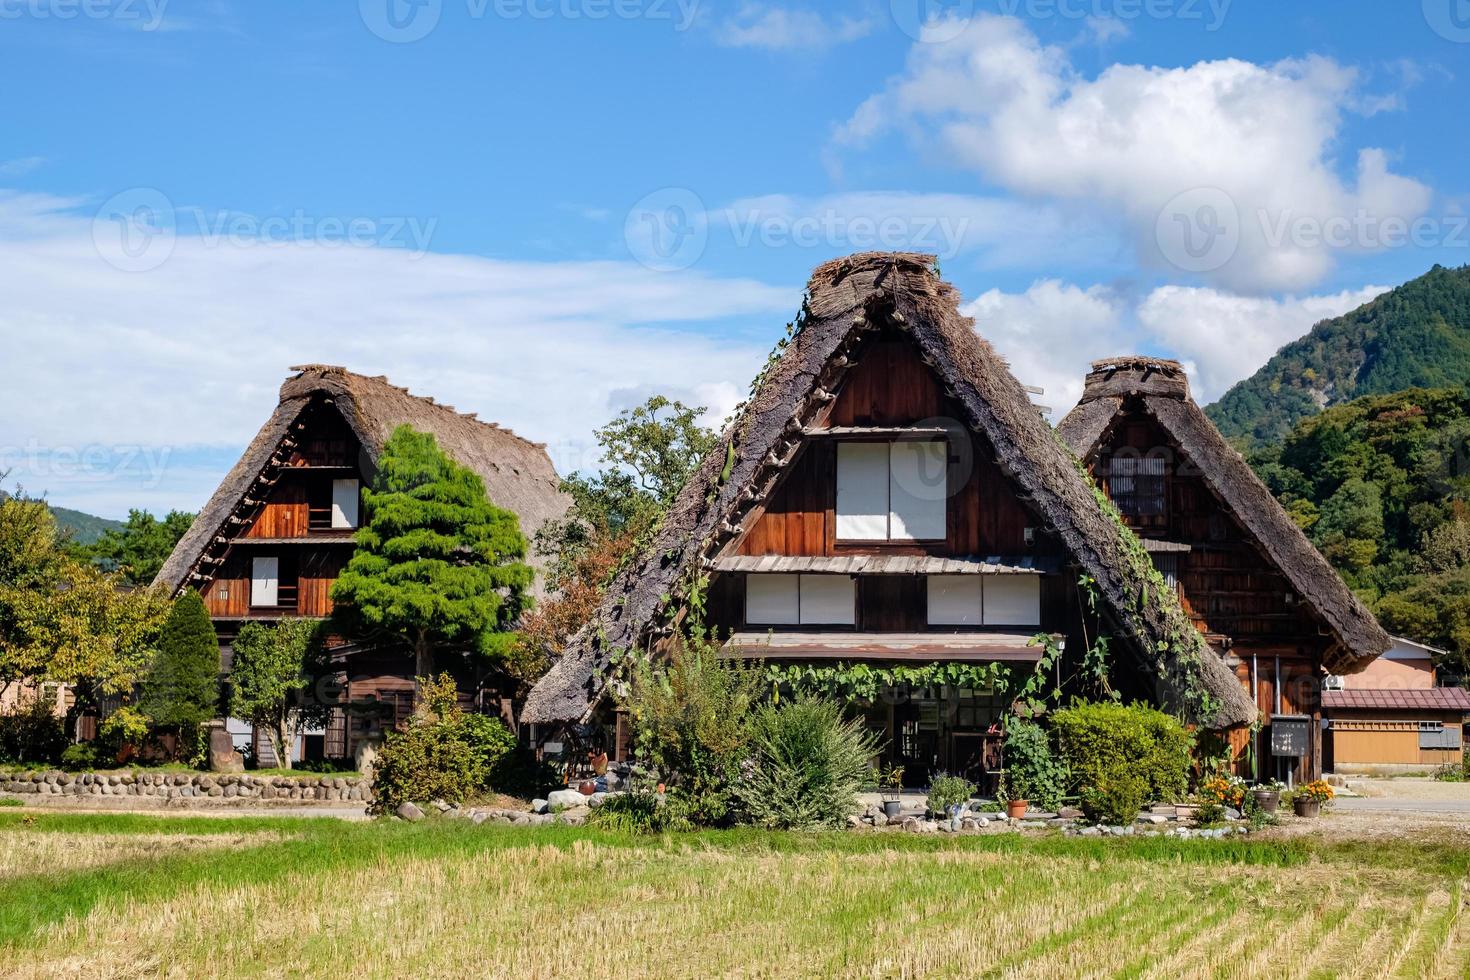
(280, 897)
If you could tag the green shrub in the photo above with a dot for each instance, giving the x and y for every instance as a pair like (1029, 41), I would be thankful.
(520, 773)
(32, 734)
(489, 740)
(427, 761)
(80, 757)
(444, 754)
(1032, 771)
(641, 813)
(806, 766)
(125, 726)
(690, 721)
(1116, 800)
(1104, 741)
(947, 791)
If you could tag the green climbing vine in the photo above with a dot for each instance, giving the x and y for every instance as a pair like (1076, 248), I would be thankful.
(866, 682)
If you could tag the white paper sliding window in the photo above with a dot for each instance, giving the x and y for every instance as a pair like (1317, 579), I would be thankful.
(892, 491)
(954, 600)
(265, 581)
(917, 473)
(1012, 600)
(984, 600)
(807, 600)
(345, 495)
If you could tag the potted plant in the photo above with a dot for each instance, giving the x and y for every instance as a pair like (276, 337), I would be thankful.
(1310, 798)
(1268, 795)
(948, 795)
(890, 786)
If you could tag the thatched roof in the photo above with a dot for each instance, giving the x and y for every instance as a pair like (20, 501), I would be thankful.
(847, 299)
(1160, 388)
(518, 474)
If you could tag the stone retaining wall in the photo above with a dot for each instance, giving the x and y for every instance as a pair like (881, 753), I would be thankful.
(242, 787)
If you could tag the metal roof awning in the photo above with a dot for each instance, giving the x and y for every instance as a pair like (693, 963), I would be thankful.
(882, 565)
(1157, 546)
(1008, 647)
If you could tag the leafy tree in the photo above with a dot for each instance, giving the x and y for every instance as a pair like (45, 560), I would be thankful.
(651, 451)
(1351, 525)
(271, 680)
(182, 689)
(436, 562)
(138, 550)
(66, 621)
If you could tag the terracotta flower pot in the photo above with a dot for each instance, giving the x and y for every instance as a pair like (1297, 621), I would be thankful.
(1306, 808)
(586, 787)
(1016, 809)
(1267, 800)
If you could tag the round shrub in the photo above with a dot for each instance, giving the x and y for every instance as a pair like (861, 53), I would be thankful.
(807, 763)
(947, 791)
(1115, 801)
(1105, 741)
(427, 761)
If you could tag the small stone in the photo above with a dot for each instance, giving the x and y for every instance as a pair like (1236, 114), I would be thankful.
(441, 806)
(1151, 818)
(1231, 813)
(538, 806)
(854, 821)
(1090, 832)
(565, 798)
(479, 817)
(410, 812)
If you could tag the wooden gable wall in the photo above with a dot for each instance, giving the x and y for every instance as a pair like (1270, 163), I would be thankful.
(891, 386)
(1228, 585)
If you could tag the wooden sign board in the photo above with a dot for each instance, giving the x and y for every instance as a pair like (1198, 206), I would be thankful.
(1289, 735)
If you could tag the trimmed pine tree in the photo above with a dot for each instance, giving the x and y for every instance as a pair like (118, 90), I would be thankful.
(437, 564)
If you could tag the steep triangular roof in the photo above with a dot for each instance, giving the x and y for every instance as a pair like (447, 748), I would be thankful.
(1162, 390)
(847, 299)
(518, 474)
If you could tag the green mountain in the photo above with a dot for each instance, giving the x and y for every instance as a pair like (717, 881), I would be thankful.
(1415, 336)
(84, 528)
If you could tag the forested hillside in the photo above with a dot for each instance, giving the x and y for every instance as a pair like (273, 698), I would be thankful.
(1380, 484)
(1417, 335)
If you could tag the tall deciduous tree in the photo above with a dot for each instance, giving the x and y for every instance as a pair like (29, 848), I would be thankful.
(271, 680)
(436, 564)
(182, 687)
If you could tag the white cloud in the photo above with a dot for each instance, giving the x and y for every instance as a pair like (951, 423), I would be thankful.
(20, 166)
(1051, 333)
(758, 25)
(191, 354)
(1225, 338)
(1250, 147)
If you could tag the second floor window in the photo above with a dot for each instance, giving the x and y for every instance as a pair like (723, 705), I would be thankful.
(892, 491)
(1137, 485)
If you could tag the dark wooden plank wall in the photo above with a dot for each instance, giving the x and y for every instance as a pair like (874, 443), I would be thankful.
(891, 386)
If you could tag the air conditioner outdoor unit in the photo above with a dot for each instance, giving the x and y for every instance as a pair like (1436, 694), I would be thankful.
(1333, 682)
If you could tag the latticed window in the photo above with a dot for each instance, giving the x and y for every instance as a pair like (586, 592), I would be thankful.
(1136, 485)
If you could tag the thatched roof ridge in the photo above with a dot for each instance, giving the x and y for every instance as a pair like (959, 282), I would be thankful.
(518, 474)
(847, 298)
(1119, 382)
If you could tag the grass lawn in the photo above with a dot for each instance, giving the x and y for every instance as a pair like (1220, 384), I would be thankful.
(140, 895)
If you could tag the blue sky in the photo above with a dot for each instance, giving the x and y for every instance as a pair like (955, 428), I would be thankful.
(545, 210)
